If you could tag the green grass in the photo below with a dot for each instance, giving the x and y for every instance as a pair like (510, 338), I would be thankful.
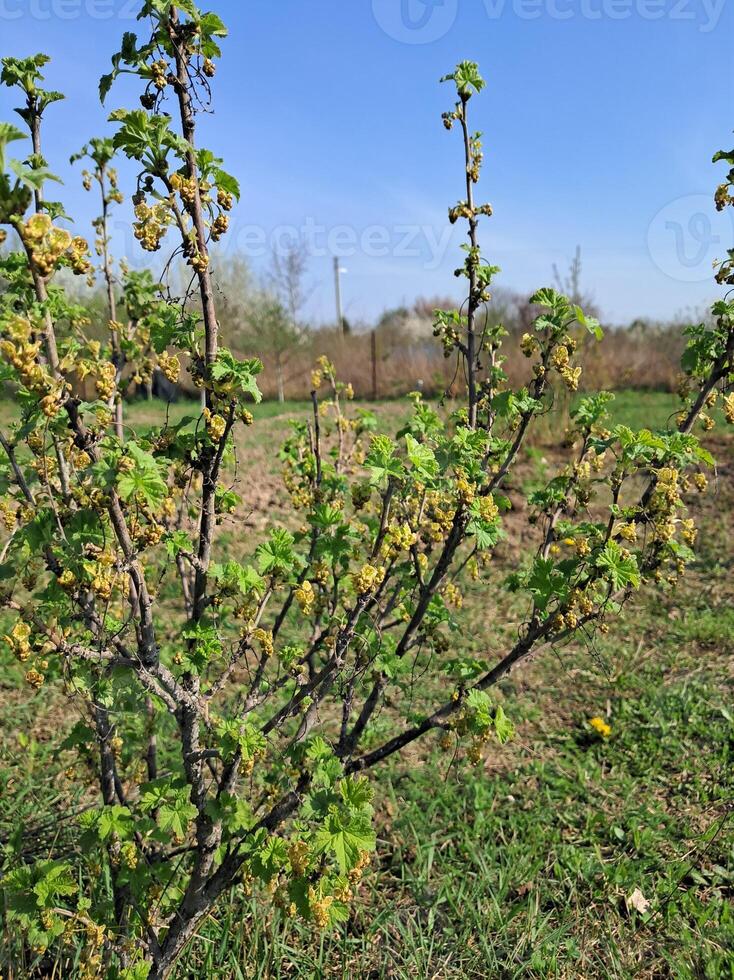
(653, 409)
(153, 412)
(528, 871)
(648, 409)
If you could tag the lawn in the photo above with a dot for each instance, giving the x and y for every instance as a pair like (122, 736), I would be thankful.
(567, 854)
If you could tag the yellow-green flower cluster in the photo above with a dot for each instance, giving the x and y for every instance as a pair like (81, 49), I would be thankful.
(216, 425)
(48, 245)
(151, 225)
(265, 640)
(19, 641)
(561, 360)
(305, 597)
(452, 596)
(170, 366)
(22, 351)
(367, 579)
(398, 538)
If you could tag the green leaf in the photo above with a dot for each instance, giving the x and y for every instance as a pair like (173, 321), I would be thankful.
(212, 25)
(55, 880)
(144, 480)
(465, 669)
(486, 533)
(176, 815)
(236, 578)
(547, 297)
(345, 835)
(325, 516)
(33, 177)
(592, 410)
(235, 813)
(381, 460)
(619, 567)
(276, 556)
(467, 78)
(356, 793)
(8, 134)
(155, 793)
(115, 821)
(227, 183)
(591, 324)
(105, 85)
(236, 735)
(233, 376)
(479, 710)
(546, 582)
(165, 326)
(421, 457)
(178, 541)
(504, 729)
(171, 803)
(270, 858)
(204, 646)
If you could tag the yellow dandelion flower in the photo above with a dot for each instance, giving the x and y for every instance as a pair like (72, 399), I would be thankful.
(600, 726)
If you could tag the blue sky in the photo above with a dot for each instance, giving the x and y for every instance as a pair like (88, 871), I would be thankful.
(600, 121)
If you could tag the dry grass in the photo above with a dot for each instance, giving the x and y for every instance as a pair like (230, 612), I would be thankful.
(624, 359)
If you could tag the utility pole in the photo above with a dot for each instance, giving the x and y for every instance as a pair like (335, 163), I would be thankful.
(338, 292)
(373, 357)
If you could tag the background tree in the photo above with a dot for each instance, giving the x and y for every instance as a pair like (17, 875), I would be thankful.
(272, 332)
(281, 325)
(286, 280)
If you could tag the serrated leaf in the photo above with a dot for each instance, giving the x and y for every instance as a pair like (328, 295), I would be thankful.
(144, 480)
(621, 569)
(345, 836)
(421, 457)
(504, 729)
